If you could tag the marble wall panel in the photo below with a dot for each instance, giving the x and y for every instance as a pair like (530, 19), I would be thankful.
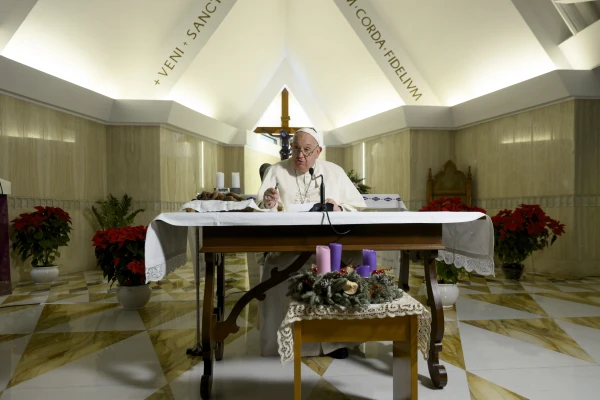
(527, 154)
(53, 159)
(253, 159)
(133, 167)
(387, 164)
(428, 149)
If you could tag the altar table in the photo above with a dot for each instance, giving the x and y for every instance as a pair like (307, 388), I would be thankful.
(218, 233)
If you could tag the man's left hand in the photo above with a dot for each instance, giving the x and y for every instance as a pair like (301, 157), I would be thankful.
(335, 205)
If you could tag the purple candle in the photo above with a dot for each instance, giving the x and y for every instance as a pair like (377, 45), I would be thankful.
(336, 256)
(364, 271)
(370, 259)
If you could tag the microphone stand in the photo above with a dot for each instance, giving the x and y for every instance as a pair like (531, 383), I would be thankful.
(323, 206)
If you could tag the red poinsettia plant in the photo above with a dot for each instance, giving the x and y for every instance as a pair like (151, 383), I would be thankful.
(449, 273)
(120, 254)
(519, 233)
(450, 204)
(39, 235)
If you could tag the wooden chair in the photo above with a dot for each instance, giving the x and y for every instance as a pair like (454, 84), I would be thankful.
(402, 331)
(450, 182)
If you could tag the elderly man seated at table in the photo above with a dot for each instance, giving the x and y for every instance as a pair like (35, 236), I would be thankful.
(286, 183)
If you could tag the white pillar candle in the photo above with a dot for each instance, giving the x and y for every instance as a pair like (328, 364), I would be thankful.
(220, 180)
(235, 180)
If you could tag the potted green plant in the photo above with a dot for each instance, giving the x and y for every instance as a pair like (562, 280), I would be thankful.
(449, 274)
(362, 188)
(38, 235)
(518, 233)
(120, 254)
(114, 213)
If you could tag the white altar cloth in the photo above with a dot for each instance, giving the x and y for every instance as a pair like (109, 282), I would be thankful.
(465, 235)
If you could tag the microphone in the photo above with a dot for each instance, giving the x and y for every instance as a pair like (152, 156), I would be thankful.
(322, 206)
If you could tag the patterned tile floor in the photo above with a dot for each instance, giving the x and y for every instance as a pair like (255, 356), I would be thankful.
(534, 339)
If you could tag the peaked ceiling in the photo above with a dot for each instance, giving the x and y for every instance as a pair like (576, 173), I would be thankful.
(244, 52)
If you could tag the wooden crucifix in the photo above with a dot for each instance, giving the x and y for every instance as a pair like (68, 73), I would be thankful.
(285, 131)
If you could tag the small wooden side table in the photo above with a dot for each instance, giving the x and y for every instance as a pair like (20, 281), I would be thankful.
(402, 331)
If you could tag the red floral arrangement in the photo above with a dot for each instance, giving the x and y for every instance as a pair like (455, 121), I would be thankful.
(120, 254)
(519, 233)
(449, 204)
(39, 235)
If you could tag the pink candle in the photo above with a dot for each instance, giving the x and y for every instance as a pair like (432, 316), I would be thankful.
(323, 260)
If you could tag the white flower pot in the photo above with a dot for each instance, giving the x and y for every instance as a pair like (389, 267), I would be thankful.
(44, 275)
(134, 297)
(448, 294)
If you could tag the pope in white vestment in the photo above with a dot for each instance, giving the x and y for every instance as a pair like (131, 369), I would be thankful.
(289, 183)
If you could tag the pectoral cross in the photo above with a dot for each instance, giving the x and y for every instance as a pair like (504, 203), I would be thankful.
(285, 131)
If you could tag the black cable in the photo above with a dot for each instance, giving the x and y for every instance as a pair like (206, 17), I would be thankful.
(331, 225)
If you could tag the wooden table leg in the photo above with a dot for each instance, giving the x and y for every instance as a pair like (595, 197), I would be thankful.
(298, 360)
(437, 372)
(208, 324)
(196, 351)
(404, 271)
(229, 325)
(220, 309)
(405, 364)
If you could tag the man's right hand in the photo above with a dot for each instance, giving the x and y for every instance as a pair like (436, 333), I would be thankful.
(270, 198)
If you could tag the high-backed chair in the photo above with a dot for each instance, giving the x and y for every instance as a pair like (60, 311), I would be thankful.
(450, 182)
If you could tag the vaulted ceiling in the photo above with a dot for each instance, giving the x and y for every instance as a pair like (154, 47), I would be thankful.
(230, 59)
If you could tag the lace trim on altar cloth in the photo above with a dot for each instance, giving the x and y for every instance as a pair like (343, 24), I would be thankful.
(481, 266)
(159, 271)
(397, 308)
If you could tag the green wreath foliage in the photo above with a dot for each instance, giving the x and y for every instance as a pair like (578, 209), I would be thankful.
(328, 289)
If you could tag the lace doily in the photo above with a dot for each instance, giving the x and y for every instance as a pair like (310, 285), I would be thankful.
(482, 266)
(397, 308)
(159, 271)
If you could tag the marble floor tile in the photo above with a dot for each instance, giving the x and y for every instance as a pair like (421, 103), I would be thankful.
(58, 314)
(318, 364)
(561, 308)
(530, 288)
(155, 314)
(549, 383)
(164, 393)
(542, 332)
(11, 351)
(590, 298)
(498, 329)
(590, 322)
(324, 390)
(170, 346)
(587, 338)
(452, 348)
(69, 298)
(522, 302)
(48, 351)
(576, 288)
(103, 297)
(484, 350)
(469, 309)
(113, 319)
(506, 289)
(482, 389)
(16, 299)
(126, 369)
(19, 319)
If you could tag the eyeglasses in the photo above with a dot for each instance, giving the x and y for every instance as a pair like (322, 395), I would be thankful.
(297, 151)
